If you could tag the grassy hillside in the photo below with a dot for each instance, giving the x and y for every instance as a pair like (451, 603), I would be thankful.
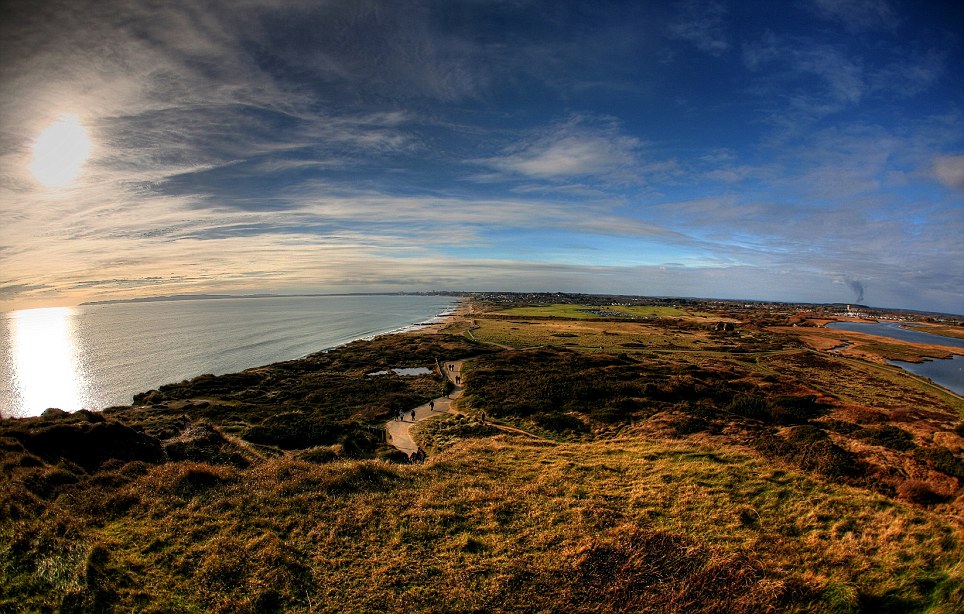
(699, 472)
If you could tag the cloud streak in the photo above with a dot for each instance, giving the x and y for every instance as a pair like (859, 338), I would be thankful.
(301, 146)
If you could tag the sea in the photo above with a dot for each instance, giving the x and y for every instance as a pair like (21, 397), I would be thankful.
(946, 372)
(97, 356)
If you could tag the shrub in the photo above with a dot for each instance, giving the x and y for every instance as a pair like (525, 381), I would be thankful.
(294, 430)
(749, 406)
(919, 491)
(810, 449)
(609, 414)
(47, 481)
(687, 425)
(840, 426)
(318, 454)
(204, 443)
(560, 422)
(888, 436)
(794, 409)
(88, 441)
(806, 434)
(942, 459)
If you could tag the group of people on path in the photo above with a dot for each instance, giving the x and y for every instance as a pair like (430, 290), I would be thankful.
(417, 457)
(400, 415)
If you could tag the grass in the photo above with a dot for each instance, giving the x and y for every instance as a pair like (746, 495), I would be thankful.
(617, 336)
(491, 524)
(586, 312)
(701, 471)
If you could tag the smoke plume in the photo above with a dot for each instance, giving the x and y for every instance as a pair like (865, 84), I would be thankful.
(858, 289)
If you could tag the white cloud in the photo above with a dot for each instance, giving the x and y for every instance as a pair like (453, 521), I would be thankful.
(843, 73)
(572, 150)
(949, 170)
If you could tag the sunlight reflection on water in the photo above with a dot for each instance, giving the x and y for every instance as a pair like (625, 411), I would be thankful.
(44, 362)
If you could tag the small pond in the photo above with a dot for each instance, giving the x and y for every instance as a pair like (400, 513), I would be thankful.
(404, 371)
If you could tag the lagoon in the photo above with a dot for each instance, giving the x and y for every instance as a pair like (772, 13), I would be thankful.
(948, 373)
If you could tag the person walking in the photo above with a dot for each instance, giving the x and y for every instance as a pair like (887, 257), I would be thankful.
(431, 405)
(413, 415)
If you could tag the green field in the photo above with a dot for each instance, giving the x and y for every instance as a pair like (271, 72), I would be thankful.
(584, 312)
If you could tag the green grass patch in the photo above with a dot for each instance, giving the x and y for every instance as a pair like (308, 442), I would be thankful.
(589, 312)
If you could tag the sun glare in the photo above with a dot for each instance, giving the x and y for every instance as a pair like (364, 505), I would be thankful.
(44, 357)
(60, 152)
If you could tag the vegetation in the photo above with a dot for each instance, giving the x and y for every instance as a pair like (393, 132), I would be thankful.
(697, 470)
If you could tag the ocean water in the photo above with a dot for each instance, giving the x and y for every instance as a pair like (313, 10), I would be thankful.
(948, 372)
(96, 356)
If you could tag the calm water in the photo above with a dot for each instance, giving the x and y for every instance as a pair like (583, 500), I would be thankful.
(95, 356)
(948, 373)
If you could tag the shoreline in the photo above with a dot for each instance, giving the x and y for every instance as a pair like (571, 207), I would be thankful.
(97, 390)
(433, 328)
(461, 312)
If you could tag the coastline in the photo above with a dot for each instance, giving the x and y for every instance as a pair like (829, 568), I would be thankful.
(445, 320)
(285, 472)
(174, 341)
(460, 313)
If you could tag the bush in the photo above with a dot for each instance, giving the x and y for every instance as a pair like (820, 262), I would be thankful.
(318, 454)
(840, 426)
(687, 425)
(888, 436)
(920, 492)
(793, 409)
(560, 423)
(87, 440)
(610, 414)
(942, 459)
(748, 406)
(294, 430)
(810, 449)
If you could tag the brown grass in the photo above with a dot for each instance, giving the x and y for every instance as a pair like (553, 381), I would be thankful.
(709, 482)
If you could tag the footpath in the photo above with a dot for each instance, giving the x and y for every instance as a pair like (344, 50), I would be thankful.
(399, 431)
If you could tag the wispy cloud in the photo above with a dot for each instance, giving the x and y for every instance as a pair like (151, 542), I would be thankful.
(702, 24)
(576, 148)
(858, 15)
(299, 145)
(949, 170)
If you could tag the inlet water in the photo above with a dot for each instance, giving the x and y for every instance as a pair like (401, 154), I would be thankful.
(948, 372)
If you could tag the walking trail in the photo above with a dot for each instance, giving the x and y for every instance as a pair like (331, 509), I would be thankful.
(399, 431)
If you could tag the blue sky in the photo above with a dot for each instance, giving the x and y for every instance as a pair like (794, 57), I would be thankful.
(806, 150)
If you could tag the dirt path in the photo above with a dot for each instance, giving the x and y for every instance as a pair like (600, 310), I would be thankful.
(399, 431)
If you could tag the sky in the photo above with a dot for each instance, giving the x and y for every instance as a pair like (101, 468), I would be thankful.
(800, 150)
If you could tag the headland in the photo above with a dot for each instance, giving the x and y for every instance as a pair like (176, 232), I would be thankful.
(606, 454)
